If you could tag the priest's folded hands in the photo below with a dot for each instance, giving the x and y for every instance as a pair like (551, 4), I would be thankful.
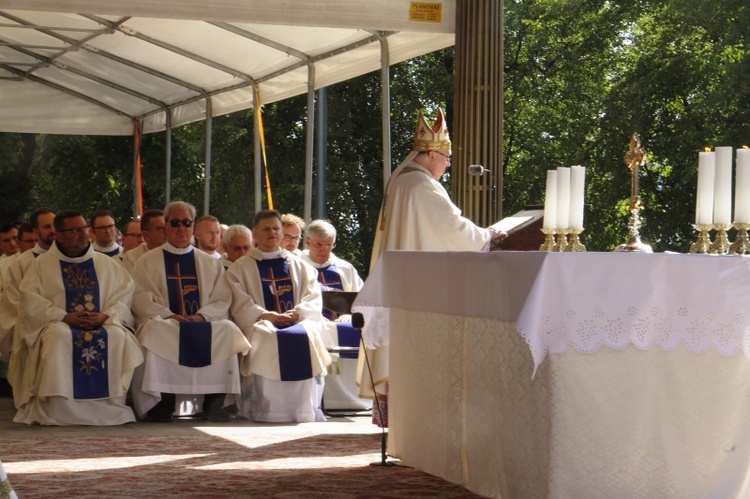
(288, 318)
(85, 320)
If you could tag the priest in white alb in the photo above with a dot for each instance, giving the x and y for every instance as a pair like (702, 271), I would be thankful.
(417, 214)
(277, 304)
(181, 305)
(42, 220)
(73, 354)
(335, 274)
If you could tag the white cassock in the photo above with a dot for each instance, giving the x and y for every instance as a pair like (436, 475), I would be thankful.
(5, 262)
(11, 298)
(265, 396)
(341, 390)
(52, 364)
(417, 214)
(130, 258)
(162, 371)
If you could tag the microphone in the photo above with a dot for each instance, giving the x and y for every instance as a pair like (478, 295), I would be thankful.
(477, 170)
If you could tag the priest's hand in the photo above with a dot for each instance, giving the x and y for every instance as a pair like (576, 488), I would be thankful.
(281, 320)
(497, 236)
(85, 320)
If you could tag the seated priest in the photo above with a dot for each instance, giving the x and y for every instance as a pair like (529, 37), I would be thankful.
(237, 241)
(181, 303)
(104, 233)
(335, 274)
(73, 353)
(42, 223)
(152, 232)
(277, 302)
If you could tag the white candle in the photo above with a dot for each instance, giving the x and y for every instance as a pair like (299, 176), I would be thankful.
(550, 201)
(577, 193)
(563, 197)
(742, 188)
(704, 206)
(723, 186)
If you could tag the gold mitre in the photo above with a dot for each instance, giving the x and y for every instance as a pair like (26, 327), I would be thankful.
(431, 138)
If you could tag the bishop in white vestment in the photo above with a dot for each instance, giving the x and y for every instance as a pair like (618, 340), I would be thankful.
(277, 304)
(418, 214)
(73, 354)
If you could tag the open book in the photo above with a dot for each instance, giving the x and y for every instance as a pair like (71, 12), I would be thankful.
(512, 224)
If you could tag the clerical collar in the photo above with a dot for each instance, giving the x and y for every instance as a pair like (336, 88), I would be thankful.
(271, 254)
(75, 259)
(104, 249)
(38, 250)
(315, 264)
(178, 251)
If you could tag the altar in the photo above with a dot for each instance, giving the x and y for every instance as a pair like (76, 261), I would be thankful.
(534, 374)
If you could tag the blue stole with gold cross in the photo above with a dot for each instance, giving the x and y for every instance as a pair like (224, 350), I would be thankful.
(184, 299)
(278, 296)
(90, 357)
(329, 279)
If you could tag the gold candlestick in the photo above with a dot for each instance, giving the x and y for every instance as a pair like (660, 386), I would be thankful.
(549, 240)
(703, 243)
(635, 158)
(561, 241)
(741, 245)
(574, 243)
(720, 246)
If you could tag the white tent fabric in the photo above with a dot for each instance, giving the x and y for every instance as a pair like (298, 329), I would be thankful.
(95, 66)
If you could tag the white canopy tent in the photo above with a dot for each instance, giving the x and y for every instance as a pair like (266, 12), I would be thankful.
(88, 67)
(93, 66)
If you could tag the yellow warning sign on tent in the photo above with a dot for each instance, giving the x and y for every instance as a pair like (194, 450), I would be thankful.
(427, 12)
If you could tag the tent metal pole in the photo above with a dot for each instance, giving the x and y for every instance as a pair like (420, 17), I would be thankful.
(136, 152)
(207, 191)
(168, 157)
(322, 152)
(385, 78)
(309, 141)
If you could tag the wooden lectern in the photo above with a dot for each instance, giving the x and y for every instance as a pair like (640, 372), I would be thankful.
(524, 230)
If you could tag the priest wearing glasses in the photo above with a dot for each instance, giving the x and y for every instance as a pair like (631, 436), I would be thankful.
(417, 214)
(181, 305)
(74, 355)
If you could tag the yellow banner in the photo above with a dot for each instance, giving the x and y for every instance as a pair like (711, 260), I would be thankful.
(426, 12)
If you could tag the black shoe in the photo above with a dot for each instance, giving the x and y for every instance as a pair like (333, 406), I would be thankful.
(212, 407)
(163, 410)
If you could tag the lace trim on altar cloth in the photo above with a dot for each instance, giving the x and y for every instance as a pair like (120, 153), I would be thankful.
(616, 328)
(377, 322)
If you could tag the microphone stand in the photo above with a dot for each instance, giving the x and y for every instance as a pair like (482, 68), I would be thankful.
(358, 321)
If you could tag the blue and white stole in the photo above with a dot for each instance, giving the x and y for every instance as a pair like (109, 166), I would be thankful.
(329, 279)
(184, 299)
(90, 357)
(278, 296)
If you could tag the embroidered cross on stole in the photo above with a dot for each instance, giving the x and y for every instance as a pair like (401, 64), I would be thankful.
(90, 357)
(278, 296)
(329, 279)
(184, 299)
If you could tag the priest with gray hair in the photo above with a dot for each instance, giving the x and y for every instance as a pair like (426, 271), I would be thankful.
(335, 274)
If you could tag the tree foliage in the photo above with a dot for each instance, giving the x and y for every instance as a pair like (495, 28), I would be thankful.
(580, 77)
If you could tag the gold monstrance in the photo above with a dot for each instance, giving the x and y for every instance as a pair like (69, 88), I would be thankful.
(635, 158)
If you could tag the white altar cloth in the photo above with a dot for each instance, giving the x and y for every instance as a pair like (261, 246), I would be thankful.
(647, 418)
